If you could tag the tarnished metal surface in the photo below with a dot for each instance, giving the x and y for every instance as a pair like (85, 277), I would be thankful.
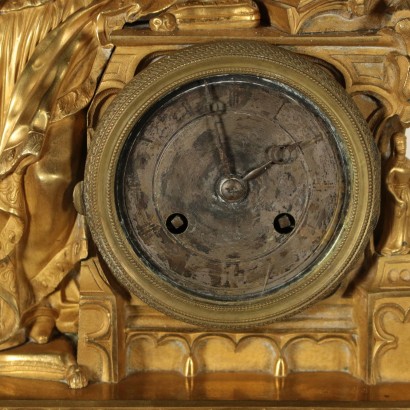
(231, 187)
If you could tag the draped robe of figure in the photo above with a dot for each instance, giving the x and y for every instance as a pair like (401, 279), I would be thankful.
(52, 54)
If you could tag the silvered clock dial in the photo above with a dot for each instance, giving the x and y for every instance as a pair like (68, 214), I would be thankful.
(232, 184)
(231, 187)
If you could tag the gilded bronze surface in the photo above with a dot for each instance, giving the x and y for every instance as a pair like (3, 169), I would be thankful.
(209, 391)
(68, 315)
(208, 15)
(397, 181)
(230, 267)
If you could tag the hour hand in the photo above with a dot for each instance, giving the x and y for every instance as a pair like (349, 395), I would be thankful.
(278, 154)
(283, 154)
(254, 173)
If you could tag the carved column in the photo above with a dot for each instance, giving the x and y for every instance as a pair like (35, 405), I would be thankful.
(101, 325)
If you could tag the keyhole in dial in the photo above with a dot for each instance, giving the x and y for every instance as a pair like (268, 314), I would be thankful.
(177, 223)
(284, 223)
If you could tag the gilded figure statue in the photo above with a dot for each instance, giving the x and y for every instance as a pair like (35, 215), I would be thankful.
(52, 54)
(208, 15)
(395, 238)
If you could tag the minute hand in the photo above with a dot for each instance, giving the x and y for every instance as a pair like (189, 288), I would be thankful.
(217, 109)
(222, 143)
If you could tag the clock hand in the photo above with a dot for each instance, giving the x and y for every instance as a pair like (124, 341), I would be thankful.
(283, 154)
(254, 173)
(279, 154)
(217, 108)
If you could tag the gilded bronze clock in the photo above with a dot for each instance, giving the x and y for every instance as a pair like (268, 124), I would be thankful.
(232, 184)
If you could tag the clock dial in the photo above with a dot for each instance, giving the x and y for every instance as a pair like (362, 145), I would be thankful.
(231, 184)
(231, 187)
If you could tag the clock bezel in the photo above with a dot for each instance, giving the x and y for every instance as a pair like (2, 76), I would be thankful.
(197, 62)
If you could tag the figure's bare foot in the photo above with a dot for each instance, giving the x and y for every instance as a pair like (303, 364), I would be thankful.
(76, 377)
(42, 329)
